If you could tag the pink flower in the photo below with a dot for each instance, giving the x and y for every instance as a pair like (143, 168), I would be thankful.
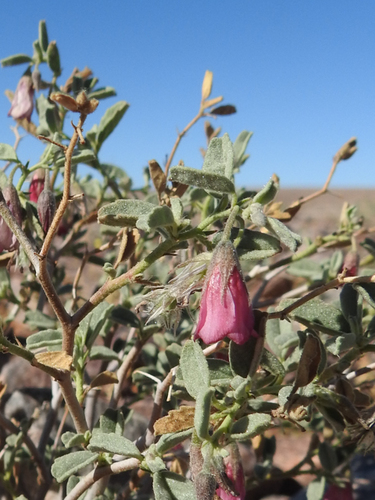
(225, 310)
(234, 472)
(36, 184)
(7, 239)
(23, 104)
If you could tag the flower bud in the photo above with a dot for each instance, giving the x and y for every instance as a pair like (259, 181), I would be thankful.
(36, 185)
(347, 150)
(8, 241)
(234, 489)
(22, 103)
(225, 310)
(351, 264)
(46, 207)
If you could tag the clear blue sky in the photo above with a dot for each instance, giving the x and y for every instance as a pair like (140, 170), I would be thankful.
(301, 74)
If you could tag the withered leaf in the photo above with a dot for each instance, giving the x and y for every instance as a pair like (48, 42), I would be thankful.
(207, 84)
(176, 420)
(157, 176)
(227, 109)
(309, 362)
(55, 359)
(104, 378)
(212, 102)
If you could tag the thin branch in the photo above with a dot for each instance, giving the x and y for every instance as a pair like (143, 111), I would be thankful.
(98, 473)
(340, 280)
(180, 136)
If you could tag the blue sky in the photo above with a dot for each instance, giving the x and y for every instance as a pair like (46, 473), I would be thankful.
(301, 74)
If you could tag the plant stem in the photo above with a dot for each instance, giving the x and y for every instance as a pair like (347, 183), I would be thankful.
(180, 136)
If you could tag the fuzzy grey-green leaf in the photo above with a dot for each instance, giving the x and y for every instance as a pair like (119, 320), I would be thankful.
(250, 426)
(157, 217)
(16, 59)
(109, 122)
(194, 368)
(206, 180)
(7, 153)
(46, 338)
(124, 213)
(219, 157)
(172, 486)
(84, 156)
(286, 236)
(67, 465)
(113, 443)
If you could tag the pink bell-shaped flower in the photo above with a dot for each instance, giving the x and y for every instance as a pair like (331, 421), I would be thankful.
(23, 103)
(36, 184)
(225, 309)
(234, 472)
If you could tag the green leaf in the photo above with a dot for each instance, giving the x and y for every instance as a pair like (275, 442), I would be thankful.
(267, 194)
(43, 36)
(306, 268)
(16, 59)
(220, 371)
(194, 368)
(170, 440)
(45, 338)
(53, 58)
(7, 153)
(102, 93)
(158, 217)
(270, 363)
(349, 301)
(202, 413)
(84, 156)
(109, 122)
(173, 354)
(123, 316)
(70, 439)
(206, 180)
(242, 357)
(124, 213)
(316, 488)
(286, 236)
(239, 148)
(171, 486)
(72, 483)
(103, 352)
(318, 315)
(90, 327)
(113, 443)
(112, 421)
(341, 343)
(219, 157)
(250, 426)
(367, 291)
(255, 245)
(67, 465)
(49, 121)
(37, 319)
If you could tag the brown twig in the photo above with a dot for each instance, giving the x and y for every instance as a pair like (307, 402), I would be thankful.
(340, 280)
(98, 473)
(180, 135)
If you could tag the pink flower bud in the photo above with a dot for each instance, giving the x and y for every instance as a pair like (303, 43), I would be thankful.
(351, 263)
(225, 310)
(36, 184)
(23, 104)
(46, 207)
(8, 241)
(234, 472)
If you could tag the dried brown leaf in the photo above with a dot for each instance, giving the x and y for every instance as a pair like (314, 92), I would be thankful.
(104, 378)
(207, 85)
(59, 360)
(175, 421)
(227, 109)
(158, 176)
